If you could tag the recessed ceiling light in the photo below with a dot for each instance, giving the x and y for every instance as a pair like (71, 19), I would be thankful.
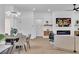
(49, 10)
(34, 9)
(74, 11)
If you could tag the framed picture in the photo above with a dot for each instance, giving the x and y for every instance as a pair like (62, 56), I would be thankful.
(63, 22)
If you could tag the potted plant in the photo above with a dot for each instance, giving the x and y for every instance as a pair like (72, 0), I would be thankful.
(2, 37)
(14, 31)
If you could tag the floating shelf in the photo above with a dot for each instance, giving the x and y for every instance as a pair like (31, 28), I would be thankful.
(48, 25)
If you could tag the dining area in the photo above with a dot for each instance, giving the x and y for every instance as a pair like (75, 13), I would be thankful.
(12, 43)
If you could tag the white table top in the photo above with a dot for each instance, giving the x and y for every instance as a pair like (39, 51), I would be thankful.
(11, 37)
(4, 47)
(2, 42)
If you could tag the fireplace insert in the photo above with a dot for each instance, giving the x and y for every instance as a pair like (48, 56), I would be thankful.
(63, 32)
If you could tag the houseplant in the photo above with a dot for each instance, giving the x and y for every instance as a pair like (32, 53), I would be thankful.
(1, 37)
(14, 31)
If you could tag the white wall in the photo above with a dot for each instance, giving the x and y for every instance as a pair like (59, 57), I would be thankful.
(27, 26)
(7, 24)
(43, 16)
(24, 22)
(28, 22)
(51, 17)
(65, 41)
(28, 19)
(2, 19)
(8, 19)
(64, 14)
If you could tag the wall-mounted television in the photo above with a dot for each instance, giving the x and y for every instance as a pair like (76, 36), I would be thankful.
(63, 22)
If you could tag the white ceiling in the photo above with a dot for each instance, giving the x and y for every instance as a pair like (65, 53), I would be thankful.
(44, 7)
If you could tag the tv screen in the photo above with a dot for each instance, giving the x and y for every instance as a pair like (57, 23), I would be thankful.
(63, 22)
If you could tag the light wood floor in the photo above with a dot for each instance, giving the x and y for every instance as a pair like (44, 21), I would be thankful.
(42, 46)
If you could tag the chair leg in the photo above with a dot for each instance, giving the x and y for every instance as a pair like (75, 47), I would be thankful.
(8, 50)
(19, 50)
(29, 45)
(25, 47)
(11, 49)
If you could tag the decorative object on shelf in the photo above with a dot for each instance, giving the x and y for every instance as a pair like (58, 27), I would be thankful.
(63, 22)
(77, 23)
(46, 33)
(63, 32)
(1, 37)
(47, 24)
(13, 31)
(78, 28)
(76, 33)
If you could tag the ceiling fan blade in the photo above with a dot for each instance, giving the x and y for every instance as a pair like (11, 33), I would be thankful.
(77, 8)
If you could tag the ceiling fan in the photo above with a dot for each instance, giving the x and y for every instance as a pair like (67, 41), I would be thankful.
(74, 9)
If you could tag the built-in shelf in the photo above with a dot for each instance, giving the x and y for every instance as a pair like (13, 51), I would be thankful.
(48, 25)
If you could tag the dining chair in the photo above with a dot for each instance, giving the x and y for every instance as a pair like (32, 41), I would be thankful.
(10, 41)
(20, 44)
(7, 41)
(28, 40)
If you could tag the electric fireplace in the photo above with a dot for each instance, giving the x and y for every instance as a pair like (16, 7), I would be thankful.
(63, 32)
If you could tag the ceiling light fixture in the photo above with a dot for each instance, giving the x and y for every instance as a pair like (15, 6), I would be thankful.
(74, 11)
(49, 10)
(34, 9)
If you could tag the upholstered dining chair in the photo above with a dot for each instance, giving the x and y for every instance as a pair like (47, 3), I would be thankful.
(20, 44)
(28, 40)
(11, 41)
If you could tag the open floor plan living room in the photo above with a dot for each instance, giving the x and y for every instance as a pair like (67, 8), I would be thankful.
(39, 28)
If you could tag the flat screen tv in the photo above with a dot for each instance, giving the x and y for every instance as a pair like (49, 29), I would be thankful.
(63, 22)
